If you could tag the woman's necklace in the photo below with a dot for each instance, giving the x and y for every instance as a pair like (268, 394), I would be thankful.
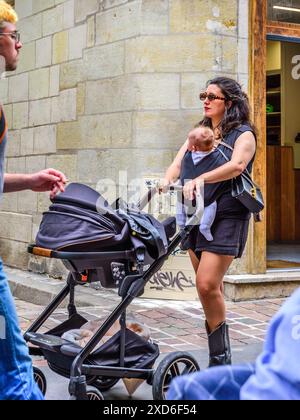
(218, 137)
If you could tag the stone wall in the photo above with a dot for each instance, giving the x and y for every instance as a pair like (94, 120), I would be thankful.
(109, 85)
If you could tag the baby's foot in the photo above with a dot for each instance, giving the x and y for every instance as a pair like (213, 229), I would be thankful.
(205, 230)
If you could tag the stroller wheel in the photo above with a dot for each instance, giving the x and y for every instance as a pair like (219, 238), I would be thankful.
(40, 380)
(93, 394)
(103, 383)
(175, 364)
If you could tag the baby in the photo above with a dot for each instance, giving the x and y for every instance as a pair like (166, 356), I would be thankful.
(201, 143)
(201, 139)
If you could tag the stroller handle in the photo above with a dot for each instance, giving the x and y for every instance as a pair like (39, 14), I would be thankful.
(195, 219)
(146, 199)
(197, 216)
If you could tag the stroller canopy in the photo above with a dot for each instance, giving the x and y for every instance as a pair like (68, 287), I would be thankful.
(80, 219)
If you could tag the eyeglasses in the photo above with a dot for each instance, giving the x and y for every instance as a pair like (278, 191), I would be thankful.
(16, 36)
(210, 96)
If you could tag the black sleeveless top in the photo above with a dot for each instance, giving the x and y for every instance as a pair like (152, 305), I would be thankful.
(228, 206)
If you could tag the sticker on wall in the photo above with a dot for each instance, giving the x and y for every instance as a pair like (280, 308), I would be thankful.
(296, 69)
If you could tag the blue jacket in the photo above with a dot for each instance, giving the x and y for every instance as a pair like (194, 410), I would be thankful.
(3, 140)
(277, 373)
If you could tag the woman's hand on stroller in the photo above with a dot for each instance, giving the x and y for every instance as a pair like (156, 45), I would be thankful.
(164, 185)
(193, 188)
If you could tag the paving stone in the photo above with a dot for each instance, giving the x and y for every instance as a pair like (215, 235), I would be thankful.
(234, 316)
(173, 341)
(248, 321)
(186, 347)
(194, 311)
(235, 342)
(240, 327)
(263, 318)
(237, 335)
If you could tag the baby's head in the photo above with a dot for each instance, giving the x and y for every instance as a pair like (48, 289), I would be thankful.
(201, 139)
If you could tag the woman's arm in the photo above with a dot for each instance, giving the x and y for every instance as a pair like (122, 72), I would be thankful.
(173, 173)
(244, 150)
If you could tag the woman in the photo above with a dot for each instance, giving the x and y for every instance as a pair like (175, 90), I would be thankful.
(226, 112)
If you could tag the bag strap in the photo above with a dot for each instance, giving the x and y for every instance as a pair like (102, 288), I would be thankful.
(246, 172)
(232, 149)
(257, 216)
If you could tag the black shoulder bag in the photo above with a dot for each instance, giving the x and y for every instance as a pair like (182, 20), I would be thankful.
(245, 190)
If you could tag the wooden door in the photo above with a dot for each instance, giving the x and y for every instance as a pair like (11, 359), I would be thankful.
(257, 249)
(259, 29)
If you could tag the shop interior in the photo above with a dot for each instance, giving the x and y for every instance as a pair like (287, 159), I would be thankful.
(283, 154)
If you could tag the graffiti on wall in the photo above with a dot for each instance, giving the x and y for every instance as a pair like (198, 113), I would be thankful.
(170, 280)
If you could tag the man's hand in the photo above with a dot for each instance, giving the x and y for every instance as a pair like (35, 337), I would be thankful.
(48, 180)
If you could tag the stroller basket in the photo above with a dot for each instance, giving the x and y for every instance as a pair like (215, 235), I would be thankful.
(139, 353)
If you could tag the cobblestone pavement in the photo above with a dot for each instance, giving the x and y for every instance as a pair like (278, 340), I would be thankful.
(174, 325)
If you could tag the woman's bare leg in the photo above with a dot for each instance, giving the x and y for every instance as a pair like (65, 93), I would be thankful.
(222, 288)
(195, 261)
(210, 275)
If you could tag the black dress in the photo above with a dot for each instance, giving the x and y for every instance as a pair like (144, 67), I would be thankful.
(230, 228)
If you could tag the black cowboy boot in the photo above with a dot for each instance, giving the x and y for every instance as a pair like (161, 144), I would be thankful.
(219, 346)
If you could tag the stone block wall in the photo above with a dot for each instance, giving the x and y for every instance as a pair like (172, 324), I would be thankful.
(109, 85)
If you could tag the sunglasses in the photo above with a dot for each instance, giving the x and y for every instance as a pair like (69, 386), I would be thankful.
(210, 96)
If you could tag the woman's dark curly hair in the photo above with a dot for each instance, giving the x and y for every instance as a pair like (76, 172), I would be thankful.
(238, 113)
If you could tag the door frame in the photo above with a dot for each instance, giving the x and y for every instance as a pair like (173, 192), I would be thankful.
(259, 29)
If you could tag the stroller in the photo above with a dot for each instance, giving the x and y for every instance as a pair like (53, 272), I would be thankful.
(122, 249)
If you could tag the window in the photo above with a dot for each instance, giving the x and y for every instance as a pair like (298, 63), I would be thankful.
(284, 11)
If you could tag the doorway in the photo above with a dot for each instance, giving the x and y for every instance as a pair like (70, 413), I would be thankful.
(283, 152)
